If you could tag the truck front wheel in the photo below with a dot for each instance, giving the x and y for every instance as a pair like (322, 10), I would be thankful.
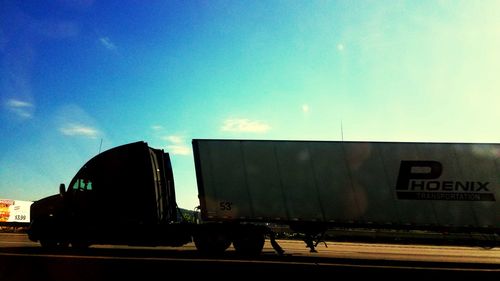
(80, 245)
(53, 244)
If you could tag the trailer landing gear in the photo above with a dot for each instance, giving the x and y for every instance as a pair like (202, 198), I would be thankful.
(275, 244)
(312, 241)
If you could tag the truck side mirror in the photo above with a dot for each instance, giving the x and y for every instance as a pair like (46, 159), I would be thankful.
(62, 189)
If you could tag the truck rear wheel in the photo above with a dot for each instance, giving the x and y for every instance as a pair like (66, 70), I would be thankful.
(211, 242)
(249, 243)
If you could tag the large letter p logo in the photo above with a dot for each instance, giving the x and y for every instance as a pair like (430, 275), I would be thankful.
(407, 173)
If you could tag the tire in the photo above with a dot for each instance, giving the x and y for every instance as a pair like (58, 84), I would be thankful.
(249, 243)
(51, 244)
(211, 242)
(80, 245)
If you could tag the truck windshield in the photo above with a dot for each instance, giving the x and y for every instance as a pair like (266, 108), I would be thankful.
(82, 184)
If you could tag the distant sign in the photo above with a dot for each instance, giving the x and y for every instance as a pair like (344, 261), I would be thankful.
(14, 210)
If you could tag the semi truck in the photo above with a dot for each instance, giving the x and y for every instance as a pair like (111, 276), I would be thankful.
(126, 195)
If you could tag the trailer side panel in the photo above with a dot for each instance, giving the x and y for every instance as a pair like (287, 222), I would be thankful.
(452, 185)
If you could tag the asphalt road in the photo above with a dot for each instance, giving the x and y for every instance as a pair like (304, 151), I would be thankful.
(21, 259)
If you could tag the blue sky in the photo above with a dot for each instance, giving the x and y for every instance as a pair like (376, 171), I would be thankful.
(73, 73)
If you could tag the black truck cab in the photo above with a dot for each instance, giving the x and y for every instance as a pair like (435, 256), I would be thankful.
(111, 195)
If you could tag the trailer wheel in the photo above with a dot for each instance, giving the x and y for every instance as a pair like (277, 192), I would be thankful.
(211, 242)
(249, 243)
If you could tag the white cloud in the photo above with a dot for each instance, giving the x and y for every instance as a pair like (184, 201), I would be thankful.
(244, 125)
(21, 108)
(79, 130)
(157, 128)
(179, 149)
(107, 43)
(18, 104)
(340, 47)
(177, 145)
(174, 139)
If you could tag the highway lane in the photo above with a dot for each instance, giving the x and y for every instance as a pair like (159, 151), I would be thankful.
(21, 259)
(428, 253)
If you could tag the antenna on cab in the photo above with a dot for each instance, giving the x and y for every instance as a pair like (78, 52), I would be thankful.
(100, 146)
(341, 130)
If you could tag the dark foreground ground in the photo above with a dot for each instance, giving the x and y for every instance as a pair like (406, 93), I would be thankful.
(110, 264)
(21, 259)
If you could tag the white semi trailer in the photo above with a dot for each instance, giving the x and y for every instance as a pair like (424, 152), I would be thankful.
(243, 185)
